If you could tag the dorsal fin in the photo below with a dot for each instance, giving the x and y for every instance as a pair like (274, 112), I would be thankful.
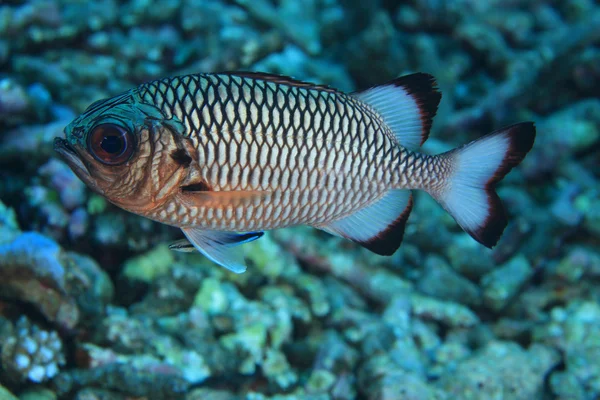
(407, 105)
(281, 79)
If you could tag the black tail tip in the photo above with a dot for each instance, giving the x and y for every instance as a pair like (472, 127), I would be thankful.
(522, 137)
(492, 229)
(478, 166)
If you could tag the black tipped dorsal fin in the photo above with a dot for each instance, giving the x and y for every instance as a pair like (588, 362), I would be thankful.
(378, 227)
(407, 105)
(281, 79)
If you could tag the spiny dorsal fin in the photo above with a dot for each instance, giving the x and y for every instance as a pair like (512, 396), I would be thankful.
(378, 227)
(407, 105)
(280, 79)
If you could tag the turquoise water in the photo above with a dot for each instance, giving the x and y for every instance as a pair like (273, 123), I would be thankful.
(94, 305)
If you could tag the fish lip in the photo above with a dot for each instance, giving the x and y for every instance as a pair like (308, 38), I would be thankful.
(70, 156)
(62, 147)
(61, 144)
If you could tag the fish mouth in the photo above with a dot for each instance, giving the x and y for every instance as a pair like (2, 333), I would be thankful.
(68, 153)
(70, 156)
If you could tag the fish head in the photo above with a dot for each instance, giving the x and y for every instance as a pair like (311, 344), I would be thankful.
(128, 152)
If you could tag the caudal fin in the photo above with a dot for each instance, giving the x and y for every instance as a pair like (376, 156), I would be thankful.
(469, 194)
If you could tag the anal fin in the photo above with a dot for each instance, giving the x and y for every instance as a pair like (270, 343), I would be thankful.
(378, 227)
(219, 247)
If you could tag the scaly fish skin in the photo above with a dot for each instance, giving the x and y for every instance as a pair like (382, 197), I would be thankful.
(221, 153)
(317, 154)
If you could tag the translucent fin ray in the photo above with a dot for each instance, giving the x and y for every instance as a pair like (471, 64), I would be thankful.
(378, 227)
(220, 247)
(469, 195)
(407, 105)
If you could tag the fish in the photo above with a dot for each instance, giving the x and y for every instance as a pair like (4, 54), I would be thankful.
(228, 156)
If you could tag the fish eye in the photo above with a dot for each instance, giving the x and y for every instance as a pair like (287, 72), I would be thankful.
(110, 144)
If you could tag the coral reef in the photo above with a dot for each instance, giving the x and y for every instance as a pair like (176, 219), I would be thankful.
(32, 270)
(93, 304)
(31, 353)
(501, 370)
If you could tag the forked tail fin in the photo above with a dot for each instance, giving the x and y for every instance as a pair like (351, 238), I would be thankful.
(469, 195)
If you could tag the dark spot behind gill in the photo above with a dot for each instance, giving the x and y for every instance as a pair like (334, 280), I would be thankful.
(181, 157)
(197, 187)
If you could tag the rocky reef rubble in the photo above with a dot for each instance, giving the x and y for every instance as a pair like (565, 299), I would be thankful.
(191, 330)
(93, 305)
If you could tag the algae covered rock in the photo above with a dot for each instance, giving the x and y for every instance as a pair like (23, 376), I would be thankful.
(380, 378)
(148, 266)
(575, 330)
(500, 370)
(6, 394)
(62, 285)
(32, 269)
(9, 227)
(441, 281)
(502, 284)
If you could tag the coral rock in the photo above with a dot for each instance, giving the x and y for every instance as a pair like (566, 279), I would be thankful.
(32, 270)
(32, 353)
(500, 370)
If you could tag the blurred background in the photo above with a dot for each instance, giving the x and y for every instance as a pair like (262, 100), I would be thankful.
(93, 305)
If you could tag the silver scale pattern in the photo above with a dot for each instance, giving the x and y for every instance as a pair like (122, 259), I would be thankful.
(321, 153)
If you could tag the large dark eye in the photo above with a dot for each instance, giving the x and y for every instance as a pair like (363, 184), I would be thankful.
(110, 144)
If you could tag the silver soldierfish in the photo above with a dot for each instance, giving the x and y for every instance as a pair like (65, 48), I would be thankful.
(227, 156)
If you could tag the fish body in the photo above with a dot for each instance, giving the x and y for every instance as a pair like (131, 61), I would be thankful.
(227, 156)
(311, 155)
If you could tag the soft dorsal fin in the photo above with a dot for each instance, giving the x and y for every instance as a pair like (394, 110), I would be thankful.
(407, 105)
(281, 79)
(378, 227)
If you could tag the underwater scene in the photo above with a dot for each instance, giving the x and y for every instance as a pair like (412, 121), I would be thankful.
(299, 199)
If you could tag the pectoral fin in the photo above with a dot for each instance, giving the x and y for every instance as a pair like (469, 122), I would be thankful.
(219, 247)
(223, 199)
